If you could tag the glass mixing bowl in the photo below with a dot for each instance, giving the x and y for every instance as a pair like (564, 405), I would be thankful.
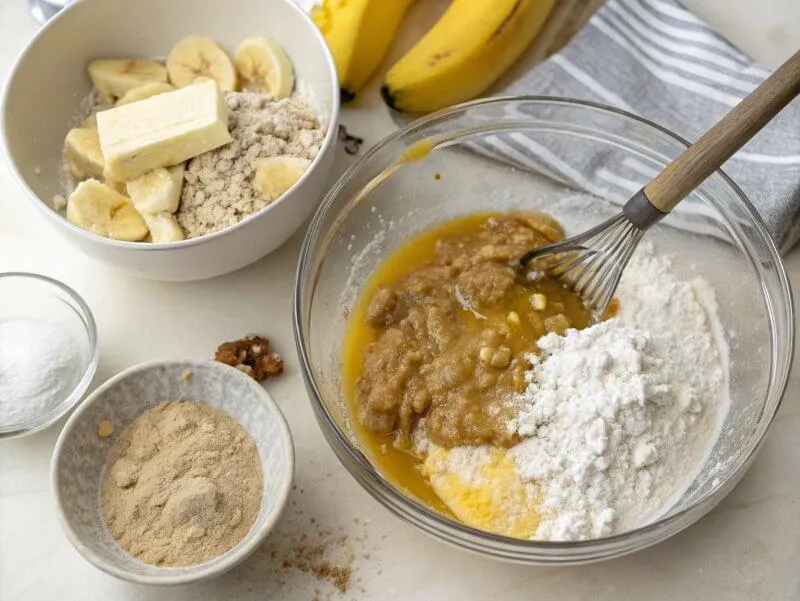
(576, 161)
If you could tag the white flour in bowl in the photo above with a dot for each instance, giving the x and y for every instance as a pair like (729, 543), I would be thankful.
(619, 418)
(40, 365)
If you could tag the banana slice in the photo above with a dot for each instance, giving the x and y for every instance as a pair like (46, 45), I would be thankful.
(196, 56)
(145, 91)
(264, 67)
(90, 121)
(127, 224)
(91, 205)
(164, 227)
(82, 152)
(101, 210)
(114, 77)
(157, 191)
(115, 185)
(275, 175)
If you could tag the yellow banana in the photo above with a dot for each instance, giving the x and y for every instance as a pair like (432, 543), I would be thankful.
(465, 52)
(358, 33)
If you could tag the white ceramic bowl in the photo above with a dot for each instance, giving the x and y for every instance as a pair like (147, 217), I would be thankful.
(45, 88)
(81, 454)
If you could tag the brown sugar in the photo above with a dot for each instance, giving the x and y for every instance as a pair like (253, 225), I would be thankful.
(311, 559)
(330, 556)
(183, 485)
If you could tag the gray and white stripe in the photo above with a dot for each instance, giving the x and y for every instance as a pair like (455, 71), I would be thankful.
(656, 59)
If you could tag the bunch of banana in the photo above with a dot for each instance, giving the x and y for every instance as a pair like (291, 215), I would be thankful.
(358, 33)
(468, 49)
(473, 44)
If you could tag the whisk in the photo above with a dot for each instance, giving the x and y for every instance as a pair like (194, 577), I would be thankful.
(592, 263)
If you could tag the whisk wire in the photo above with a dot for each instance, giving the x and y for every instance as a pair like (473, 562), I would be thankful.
(618, 237)
(591, 264)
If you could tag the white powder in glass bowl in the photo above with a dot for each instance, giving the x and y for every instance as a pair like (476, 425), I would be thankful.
(39, 367)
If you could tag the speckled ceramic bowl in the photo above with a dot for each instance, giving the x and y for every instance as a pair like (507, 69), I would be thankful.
(81, 454)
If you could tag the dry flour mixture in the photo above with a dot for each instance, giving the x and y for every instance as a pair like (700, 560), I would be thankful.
(219, 188)
(616, 421)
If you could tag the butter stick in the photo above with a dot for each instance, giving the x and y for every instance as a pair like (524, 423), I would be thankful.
(162, 130)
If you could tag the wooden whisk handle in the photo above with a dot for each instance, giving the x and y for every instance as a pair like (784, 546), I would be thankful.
(719, 143)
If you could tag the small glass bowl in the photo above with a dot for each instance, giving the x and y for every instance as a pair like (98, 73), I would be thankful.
(33, 296)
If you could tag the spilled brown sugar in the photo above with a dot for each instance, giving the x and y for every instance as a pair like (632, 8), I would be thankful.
(308, 557)
(311, 558)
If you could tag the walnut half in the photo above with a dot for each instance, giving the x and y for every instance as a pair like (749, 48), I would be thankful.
(251, 355)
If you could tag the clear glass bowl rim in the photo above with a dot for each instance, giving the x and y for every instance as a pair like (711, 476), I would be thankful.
(47, 419)
(472, 539)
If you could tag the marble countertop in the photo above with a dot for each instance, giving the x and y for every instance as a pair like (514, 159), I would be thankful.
(747, 548)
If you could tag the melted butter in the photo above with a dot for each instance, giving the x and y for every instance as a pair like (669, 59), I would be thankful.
(475, 505)
(495, 500)
(417, 151)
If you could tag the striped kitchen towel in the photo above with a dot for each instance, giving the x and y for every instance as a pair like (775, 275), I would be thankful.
(658, 60)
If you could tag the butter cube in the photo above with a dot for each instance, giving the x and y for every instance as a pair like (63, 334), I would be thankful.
(162, 130)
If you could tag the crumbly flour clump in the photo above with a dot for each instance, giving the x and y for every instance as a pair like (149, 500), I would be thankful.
(183, 485)
(218, 188)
